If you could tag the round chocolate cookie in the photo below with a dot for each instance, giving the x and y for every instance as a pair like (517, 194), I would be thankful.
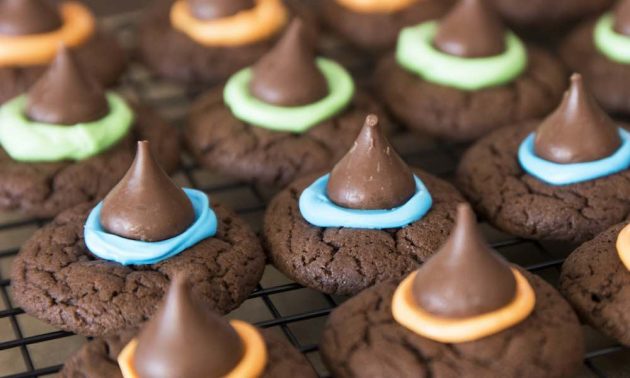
(176, 56)
(595, 281)
(346, 260)
(97, 359)
(377, 31)
(607, 80)
(460, 115)
(45, 189)
(56, 279)
(362, 339)
(15, 80)
(491, 177)
(542, 18)
(222, 142)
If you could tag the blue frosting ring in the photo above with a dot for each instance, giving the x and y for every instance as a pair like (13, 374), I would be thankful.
(320, 211)
(135, 252)
(573, 173)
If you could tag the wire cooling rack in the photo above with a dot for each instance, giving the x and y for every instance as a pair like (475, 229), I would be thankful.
(29, 348)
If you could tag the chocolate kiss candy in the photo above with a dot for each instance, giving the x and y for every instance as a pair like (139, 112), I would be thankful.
(622, 17)
(287, 75)
(213, 9)
(465, 277)
(471, 29)
(578, 130)
(22, 17)
(184, 339)
(146, 205)
(66, 94)
(371, 175)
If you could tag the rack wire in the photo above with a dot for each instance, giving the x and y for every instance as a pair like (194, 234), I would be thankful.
(30, 349)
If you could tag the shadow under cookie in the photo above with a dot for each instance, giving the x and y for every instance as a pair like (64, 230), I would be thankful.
(56, 279)
(220, 141)
(596, 283)
(491, 177)
(460, 115)
(363, 339)
(97, 359)
(45, 189)
(344, 260)
(16, 80)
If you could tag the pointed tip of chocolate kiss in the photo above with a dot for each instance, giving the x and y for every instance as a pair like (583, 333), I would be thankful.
(465, 277)
(578, 130)
(214, 9)
(146, 205)
(371, 175)
(65, 94)
(288, 74)
(471, 29)
(622, 17)
(23, 17)
(185, 339)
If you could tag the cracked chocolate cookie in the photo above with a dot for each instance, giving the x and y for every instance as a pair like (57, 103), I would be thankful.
(45, 189)
(494, 181)
(456, 114)
(377, 31)
(338, 260)
(363, 339)
(15, 80)
(595, 282)
(56, 279)
(97, 359)
(609, 81)
(222, 142)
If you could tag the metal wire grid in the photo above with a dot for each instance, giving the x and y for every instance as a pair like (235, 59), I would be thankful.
(438, 158)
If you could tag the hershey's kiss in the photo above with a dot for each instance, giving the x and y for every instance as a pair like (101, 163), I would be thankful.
(185, 339)
(578, 130)
(23, 17)
(465, 277)
(213, 9)
(146, 205)
(471, 30)
(622, 17)
(288, 74)
(371, 175)
(66, 94)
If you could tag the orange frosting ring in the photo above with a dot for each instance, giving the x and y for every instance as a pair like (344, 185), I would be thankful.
(623, 246)
(38, 49)
(245, 27)
(252, 364)
(407, 313)
(376, 6)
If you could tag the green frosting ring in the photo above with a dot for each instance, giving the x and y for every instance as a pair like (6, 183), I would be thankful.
(29, 141)
(295, 119)
(415, 52)
(613, 45)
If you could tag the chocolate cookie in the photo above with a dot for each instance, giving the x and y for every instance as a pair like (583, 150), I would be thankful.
(98, 358)
(362, 339)
(491, 177)
(15, 80)
(594, 280)
(56, 279)
(608, 80)
(542, 18)
(346, 260)
(377, 31)
(465, 115)
(176, 56)
(220, 141)
(45, 189)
